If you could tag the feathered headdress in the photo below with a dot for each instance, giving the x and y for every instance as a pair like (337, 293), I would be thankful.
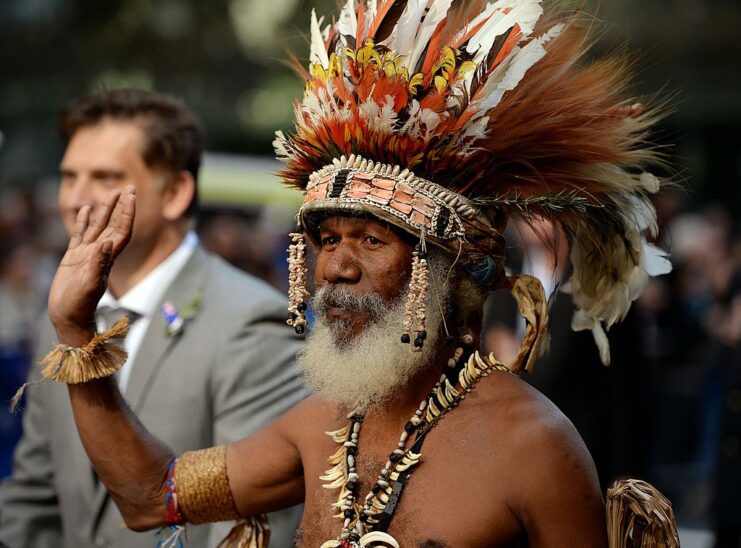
(447, 120)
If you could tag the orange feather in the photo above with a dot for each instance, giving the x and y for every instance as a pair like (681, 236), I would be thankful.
(509, 44)
(433, 50)
(380, 15)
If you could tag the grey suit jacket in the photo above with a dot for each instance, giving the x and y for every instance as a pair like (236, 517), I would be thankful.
(228, 373)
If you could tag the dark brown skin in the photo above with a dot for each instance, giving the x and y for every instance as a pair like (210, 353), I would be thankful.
(504, 469)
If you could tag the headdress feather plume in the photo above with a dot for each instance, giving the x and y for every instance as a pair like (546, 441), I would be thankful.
(496, 103)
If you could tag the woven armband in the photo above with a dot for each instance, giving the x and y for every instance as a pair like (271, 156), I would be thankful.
(203, 492)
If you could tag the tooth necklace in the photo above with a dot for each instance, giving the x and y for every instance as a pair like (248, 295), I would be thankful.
(365, 524)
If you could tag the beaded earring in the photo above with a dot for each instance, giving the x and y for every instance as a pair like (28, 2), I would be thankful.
(297, 293)
(415, 311)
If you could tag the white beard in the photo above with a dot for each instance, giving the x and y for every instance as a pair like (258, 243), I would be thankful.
(369, 369)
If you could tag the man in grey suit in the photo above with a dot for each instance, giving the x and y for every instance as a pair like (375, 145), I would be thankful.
(210, 357)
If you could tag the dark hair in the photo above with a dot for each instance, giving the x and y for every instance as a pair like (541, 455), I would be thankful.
(172, 132)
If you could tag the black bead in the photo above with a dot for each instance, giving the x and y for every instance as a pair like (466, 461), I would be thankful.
(301, 307)
(395, 457)
(300, 329)
(405, 338)
(351, 486)
(409, 428)
(376, 489)
(352, 450)
(422, 255)
(363, 517)
(349, 514)
(291, 316)
(419, 343)
(422, 335)
(418, 248)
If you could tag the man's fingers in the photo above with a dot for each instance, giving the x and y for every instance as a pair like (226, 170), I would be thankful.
(106, 248)
(81, 223)
(122, 220)
(102, 217)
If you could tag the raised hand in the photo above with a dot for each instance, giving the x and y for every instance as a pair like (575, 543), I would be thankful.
(82, 276)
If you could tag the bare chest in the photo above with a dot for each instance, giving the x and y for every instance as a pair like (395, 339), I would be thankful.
(451, 498)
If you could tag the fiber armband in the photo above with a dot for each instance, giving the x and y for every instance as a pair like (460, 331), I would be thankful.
(97, 359)
(201, 486)
(197, 491)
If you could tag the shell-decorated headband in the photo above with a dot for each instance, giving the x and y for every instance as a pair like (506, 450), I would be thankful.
(402, 199)
(446, 119)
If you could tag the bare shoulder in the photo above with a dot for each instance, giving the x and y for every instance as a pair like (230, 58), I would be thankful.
(527, 414)
(306, 418)
(554, 482)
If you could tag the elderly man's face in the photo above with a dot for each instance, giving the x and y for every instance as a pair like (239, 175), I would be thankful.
(364, 257)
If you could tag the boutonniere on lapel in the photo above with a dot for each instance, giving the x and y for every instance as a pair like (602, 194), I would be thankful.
(176, 320)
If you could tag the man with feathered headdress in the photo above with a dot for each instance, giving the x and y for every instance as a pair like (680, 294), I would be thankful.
(423, 129)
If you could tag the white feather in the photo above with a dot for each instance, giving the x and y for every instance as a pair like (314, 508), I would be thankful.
(650, 182)
(387, 117)
(581, 321)
(641, 214)
(369, 110)
(464, 141)
(483, 16)
(409, 126)
(402, 37)
(522, 61)
(313, 107)
(437, 12)
(655, 261)
(638, 282)
(429, 119)
(508, 75)
(371, 10)
(421, 122)
(381, 118)
(281, 147)
(347, 25)
(603, 343)
(524, 13)
(318, 53)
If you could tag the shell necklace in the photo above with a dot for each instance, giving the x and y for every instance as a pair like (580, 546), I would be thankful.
(365, 523)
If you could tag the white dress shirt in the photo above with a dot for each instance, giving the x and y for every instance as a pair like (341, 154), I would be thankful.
(144, 298)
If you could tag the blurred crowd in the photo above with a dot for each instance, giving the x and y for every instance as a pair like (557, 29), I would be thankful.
(668, 409)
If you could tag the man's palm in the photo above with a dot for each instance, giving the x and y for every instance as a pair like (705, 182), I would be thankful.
(82, 275)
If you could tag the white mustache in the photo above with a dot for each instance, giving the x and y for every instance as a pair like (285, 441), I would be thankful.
(339, 296)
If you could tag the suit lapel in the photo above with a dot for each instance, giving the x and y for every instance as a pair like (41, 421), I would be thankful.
(156, 345)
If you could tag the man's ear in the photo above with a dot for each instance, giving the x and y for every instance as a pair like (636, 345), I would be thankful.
(178, 195)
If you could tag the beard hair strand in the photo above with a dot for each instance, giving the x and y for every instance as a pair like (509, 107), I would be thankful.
(369, 369)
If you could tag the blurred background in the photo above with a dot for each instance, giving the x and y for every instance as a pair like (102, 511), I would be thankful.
(669, 408)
